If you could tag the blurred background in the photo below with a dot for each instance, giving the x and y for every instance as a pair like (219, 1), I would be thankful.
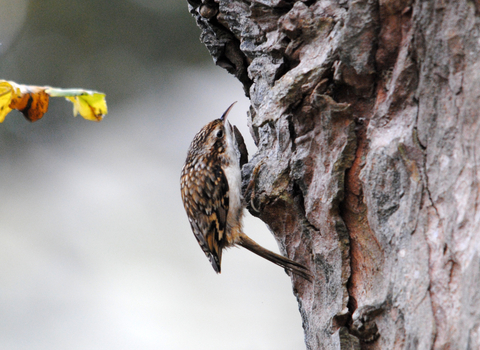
(95, 248)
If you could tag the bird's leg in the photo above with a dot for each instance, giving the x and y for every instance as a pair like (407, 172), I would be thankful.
(251, 184)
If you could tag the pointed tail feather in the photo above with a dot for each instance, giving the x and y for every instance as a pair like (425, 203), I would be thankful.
(277, 259)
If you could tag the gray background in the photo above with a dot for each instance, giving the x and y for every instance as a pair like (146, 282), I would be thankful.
(95, 248)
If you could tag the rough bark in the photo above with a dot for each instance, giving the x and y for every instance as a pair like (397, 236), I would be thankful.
(365, 114)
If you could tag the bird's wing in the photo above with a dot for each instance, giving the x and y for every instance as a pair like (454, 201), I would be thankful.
(206, 203)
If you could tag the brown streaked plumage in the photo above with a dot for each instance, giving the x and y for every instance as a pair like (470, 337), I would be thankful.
(211, 193)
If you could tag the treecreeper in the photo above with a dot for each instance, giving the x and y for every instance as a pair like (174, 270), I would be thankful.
(211, 183)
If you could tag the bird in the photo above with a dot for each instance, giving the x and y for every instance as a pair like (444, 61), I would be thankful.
(210, 185)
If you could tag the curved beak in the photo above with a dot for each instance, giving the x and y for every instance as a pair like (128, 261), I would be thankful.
(223, 118)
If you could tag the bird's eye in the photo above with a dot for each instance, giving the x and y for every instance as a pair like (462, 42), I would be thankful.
(220, 133)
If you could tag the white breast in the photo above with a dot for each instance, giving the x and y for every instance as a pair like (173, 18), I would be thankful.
(234, 178)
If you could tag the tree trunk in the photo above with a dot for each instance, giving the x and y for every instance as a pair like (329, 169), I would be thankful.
(365, 117)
